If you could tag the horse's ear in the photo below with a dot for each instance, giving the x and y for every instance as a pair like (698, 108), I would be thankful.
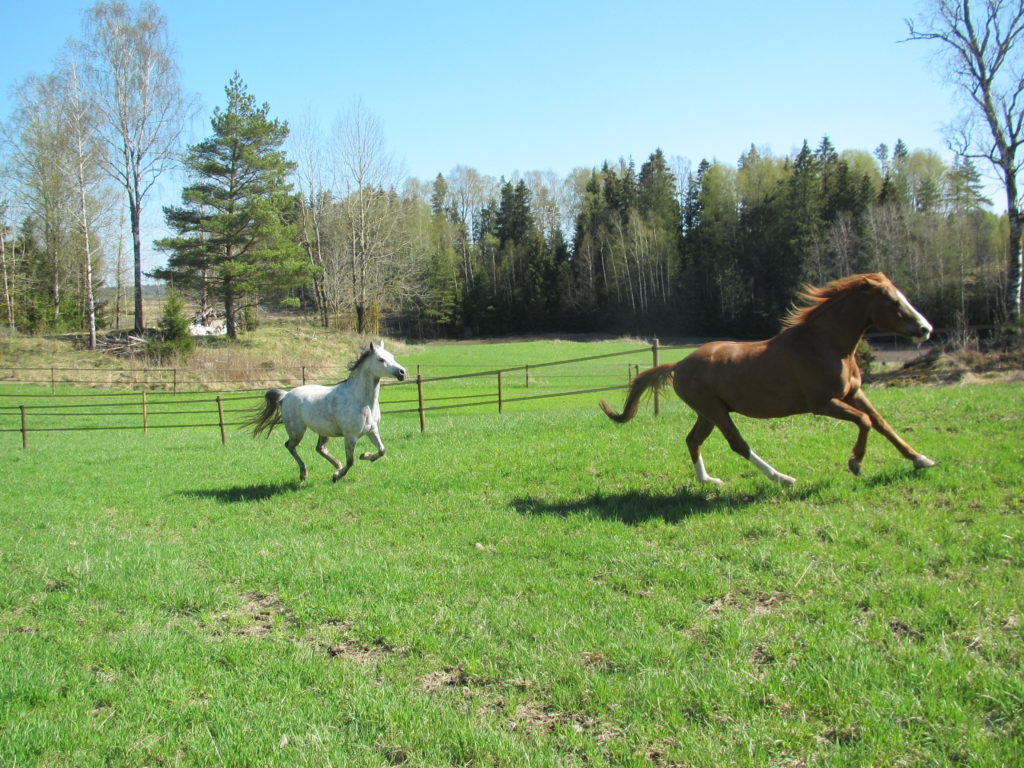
(372, 348)
(381, 344)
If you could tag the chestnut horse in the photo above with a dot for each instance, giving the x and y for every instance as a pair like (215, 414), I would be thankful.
(809, 367)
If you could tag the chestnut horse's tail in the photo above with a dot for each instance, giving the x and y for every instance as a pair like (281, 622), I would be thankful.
(269, 416)
(652, 378)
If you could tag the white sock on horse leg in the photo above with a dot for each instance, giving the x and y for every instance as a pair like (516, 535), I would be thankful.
(769, 471)
(702, 473)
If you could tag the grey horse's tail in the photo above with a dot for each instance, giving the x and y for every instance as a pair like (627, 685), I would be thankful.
(265, 419)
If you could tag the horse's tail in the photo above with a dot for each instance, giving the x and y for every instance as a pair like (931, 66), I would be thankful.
(268, 417)
(652, 378)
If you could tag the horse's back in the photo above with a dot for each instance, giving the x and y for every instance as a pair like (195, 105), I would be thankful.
(307, 406)
(329, 411)
(760, 379)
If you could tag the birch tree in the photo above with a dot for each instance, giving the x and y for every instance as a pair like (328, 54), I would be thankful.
(134, 79)
(375, 240)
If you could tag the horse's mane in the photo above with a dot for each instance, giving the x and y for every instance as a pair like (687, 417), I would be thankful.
(360, 359)
(363, 354)
(814, 298)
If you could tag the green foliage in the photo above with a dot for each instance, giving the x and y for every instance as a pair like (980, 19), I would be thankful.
(235, 232)
(174, 342)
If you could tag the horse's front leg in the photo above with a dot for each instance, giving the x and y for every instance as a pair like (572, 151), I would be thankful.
(350, 458)
(374, 436)
(839, 409)
(860, 400)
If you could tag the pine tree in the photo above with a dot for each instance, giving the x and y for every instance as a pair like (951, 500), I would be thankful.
(235, 236)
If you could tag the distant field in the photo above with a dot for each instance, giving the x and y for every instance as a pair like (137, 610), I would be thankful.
(535, 588)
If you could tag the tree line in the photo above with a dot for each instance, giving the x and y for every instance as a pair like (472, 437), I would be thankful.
(323, 221)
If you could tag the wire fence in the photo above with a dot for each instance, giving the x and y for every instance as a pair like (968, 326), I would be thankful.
(159, 399)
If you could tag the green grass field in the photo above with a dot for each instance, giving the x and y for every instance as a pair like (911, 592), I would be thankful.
(536, 588)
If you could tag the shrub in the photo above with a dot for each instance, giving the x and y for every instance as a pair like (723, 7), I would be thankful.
(174, 341)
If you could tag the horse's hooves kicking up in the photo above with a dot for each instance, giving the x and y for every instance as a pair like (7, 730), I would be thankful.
(922, 462)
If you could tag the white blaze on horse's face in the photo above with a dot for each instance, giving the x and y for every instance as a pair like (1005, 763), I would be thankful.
(924, 328)
(384, 363)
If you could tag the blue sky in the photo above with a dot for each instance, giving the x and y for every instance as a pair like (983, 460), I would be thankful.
(548, 84)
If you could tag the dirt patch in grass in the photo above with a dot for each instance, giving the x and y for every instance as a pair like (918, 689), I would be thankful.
(449, 677)
(262, 612)
(364, 653)
(757, 605)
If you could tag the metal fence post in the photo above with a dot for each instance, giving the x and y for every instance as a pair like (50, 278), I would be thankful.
(657, 400)
(501, 405)
(145, 414)
(419, 395)
(220, 418)
(24, 428)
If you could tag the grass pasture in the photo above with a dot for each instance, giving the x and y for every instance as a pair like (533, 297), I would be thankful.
(536, 588)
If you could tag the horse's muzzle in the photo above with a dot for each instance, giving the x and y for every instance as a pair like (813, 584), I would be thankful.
(400, 374)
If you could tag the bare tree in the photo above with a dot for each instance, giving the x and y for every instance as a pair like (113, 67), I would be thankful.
(376, 241)
(135, 82)
(981, 49)
(313, 179)
(85, 156)
(39, 145)
(7, 273)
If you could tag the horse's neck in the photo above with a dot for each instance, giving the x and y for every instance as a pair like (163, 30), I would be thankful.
(364, 385)
(842, 322)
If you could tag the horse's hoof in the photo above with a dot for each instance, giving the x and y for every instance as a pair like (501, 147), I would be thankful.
(854, 466)
(922, 462)
(785, 480)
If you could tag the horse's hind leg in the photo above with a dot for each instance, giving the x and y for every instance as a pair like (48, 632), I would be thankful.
(701, 429)
(291, 443)
(374, 436)
(724, 422)
(350, 458)
(321, 448)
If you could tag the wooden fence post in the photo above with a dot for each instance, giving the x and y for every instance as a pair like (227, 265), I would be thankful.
(501, 405)
(419, 394)
(527, 376)
(53, 381)
(657, 400)
(220, 418)
(24, 428)
(145, 414)
(174, 381)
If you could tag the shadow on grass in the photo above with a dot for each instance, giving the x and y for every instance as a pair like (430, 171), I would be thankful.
(239, 493)
(634, 507)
